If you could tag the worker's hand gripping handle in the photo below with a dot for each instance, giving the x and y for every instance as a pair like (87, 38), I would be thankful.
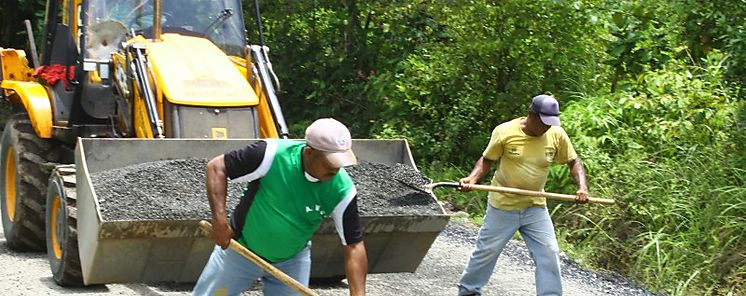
(289, 281)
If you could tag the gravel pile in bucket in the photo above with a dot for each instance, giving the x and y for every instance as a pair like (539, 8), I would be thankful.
(384, 190)
(175, 190)
(159, 190)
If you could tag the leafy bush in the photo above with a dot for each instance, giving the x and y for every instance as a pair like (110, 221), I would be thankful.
(499, 57)
(668, 150)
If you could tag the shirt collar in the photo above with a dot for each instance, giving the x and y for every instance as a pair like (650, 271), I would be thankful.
(310, 178)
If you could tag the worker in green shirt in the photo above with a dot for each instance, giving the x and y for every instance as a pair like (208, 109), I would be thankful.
(292, 186)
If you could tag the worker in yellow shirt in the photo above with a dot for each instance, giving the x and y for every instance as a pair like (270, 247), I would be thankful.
(525, 147)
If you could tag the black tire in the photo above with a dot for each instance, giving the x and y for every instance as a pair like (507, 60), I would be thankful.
(25, 164)
(61, 230)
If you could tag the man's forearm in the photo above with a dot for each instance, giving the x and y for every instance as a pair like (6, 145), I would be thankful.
(216, 191)
(481, 168)
(578, 174)
(356, 267)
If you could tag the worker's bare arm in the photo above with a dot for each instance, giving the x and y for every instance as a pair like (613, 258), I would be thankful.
(481, 168)
(578, 174)
(217, 184)
(356, 267)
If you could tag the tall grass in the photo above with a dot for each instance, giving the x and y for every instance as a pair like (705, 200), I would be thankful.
(679, 226)
(671, 152)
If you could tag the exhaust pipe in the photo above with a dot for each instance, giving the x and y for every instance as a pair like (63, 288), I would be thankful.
(157, 13)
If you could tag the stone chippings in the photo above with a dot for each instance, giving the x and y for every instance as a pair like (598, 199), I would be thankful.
(384, 190)
(159, 190)
(175, 190)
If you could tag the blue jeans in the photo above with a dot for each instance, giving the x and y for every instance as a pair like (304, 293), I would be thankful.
(499, 226)
(229, 273)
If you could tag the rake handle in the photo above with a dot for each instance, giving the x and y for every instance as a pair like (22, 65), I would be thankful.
(549, 195)
(289, 281)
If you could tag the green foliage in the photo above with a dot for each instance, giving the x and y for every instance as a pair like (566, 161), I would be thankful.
(666, 113)
(507, 53)
(644, 35)
(668, 141)
(651, 94)
(717, 24)
(345, 54)
(640, 38)
(678, 226)
(393, 65)
(13, 30)
(668, 151)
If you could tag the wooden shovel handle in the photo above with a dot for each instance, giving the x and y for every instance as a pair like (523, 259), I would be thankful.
(291, 282)
(549, 195)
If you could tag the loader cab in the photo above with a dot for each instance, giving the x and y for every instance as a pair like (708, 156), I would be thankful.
(102, 24)
(110, 20)
(83, 103)
(95, 40)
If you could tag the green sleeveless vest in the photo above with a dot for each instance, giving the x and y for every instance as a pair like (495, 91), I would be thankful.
(288, 208)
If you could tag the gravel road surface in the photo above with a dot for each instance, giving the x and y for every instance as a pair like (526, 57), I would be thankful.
(29, 274)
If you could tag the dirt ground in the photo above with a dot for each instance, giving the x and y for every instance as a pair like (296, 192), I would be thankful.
(29, 274)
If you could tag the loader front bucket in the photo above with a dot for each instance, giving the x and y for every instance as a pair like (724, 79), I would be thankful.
(134, 250)
(116, 251)
(394, 243)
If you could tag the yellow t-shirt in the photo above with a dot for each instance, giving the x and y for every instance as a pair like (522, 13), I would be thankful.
(524, 162)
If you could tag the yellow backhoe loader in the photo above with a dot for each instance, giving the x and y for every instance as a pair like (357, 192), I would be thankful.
(122, 82)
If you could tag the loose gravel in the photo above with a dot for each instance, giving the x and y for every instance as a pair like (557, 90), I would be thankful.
(385, 190)
(159, 190)
(175, 190)
(27, 274)
(441, 269)
(603, 282)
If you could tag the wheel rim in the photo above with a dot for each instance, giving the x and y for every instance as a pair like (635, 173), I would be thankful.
(56, 226)
(10, 183)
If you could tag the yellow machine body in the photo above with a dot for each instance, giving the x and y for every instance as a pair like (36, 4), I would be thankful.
(18, 85)
(185, 68)
(138, 73)
(107, 70)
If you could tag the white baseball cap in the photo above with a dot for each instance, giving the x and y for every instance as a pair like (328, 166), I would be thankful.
(333, 139)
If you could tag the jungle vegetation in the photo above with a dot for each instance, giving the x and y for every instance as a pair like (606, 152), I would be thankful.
(651, 92)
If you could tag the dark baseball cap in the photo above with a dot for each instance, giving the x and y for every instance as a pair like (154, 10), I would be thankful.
(547, 108)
